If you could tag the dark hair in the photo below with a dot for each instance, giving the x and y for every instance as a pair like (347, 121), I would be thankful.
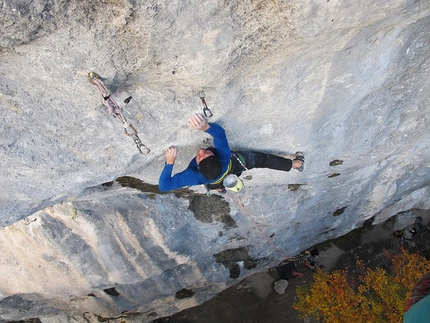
(210, 167)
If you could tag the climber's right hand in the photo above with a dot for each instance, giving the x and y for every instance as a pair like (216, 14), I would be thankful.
(198, 122)
(171, 155)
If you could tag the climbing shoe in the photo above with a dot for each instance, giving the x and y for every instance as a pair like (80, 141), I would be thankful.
(299, 156)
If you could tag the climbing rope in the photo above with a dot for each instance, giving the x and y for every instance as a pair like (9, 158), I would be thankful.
(240, 162)
(255, 224)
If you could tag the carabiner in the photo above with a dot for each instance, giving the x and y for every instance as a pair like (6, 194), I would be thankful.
(140, 145)
(206, 111)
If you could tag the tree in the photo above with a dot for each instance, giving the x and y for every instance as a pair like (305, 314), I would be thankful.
(374, 295)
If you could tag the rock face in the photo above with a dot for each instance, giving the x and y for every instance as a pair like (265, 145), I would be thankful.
(85, 232)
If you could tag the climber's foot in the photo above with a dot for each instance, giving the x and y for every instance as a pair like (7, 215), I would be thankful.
(300, 157)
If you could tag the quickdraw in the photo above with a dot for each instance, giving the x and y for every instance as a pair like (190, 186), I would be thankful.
(206, 111)
(116, 111)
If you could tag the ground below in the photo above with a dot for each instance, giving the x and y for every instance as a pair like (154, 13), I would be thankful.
(254, 300)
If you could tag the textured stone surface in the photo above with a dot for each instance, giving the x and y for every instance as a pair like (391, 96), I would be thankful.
(118, 250)
(345, 82)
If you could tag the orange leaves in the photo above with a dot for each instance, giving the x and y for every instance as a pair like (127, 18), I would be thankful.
(409, 268)
(388, 298)
(330, 299)
(377, 296)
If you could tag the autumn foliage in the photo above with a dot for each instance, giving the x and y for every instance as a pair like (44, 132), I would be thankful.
(375, 295)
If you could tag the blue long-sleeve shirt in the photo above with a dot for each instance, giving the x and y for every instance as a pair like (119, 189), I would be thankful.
(191, 175)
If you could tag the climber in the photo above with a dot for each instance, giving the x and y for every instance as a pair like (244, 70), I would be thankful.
(212, 165)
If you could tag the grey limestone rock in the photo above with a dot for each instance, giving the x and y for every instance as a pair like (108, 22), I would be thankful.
(345, 82)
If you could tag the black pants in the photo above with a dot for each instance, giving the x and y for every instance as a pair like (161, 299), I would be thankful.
(243, 160)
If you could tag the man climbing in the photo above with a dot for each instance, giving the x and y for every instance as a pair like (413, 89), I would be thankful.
(212, 165)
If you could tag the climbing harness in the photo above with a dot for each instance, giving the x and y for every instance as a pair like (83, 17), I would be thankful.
(228, 180)
(116, 111)
(223, 175)
(217, 184)
(206, 111)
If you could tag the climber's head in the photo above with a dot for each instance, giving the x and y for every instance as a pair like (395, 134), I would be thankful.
(209, 165)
